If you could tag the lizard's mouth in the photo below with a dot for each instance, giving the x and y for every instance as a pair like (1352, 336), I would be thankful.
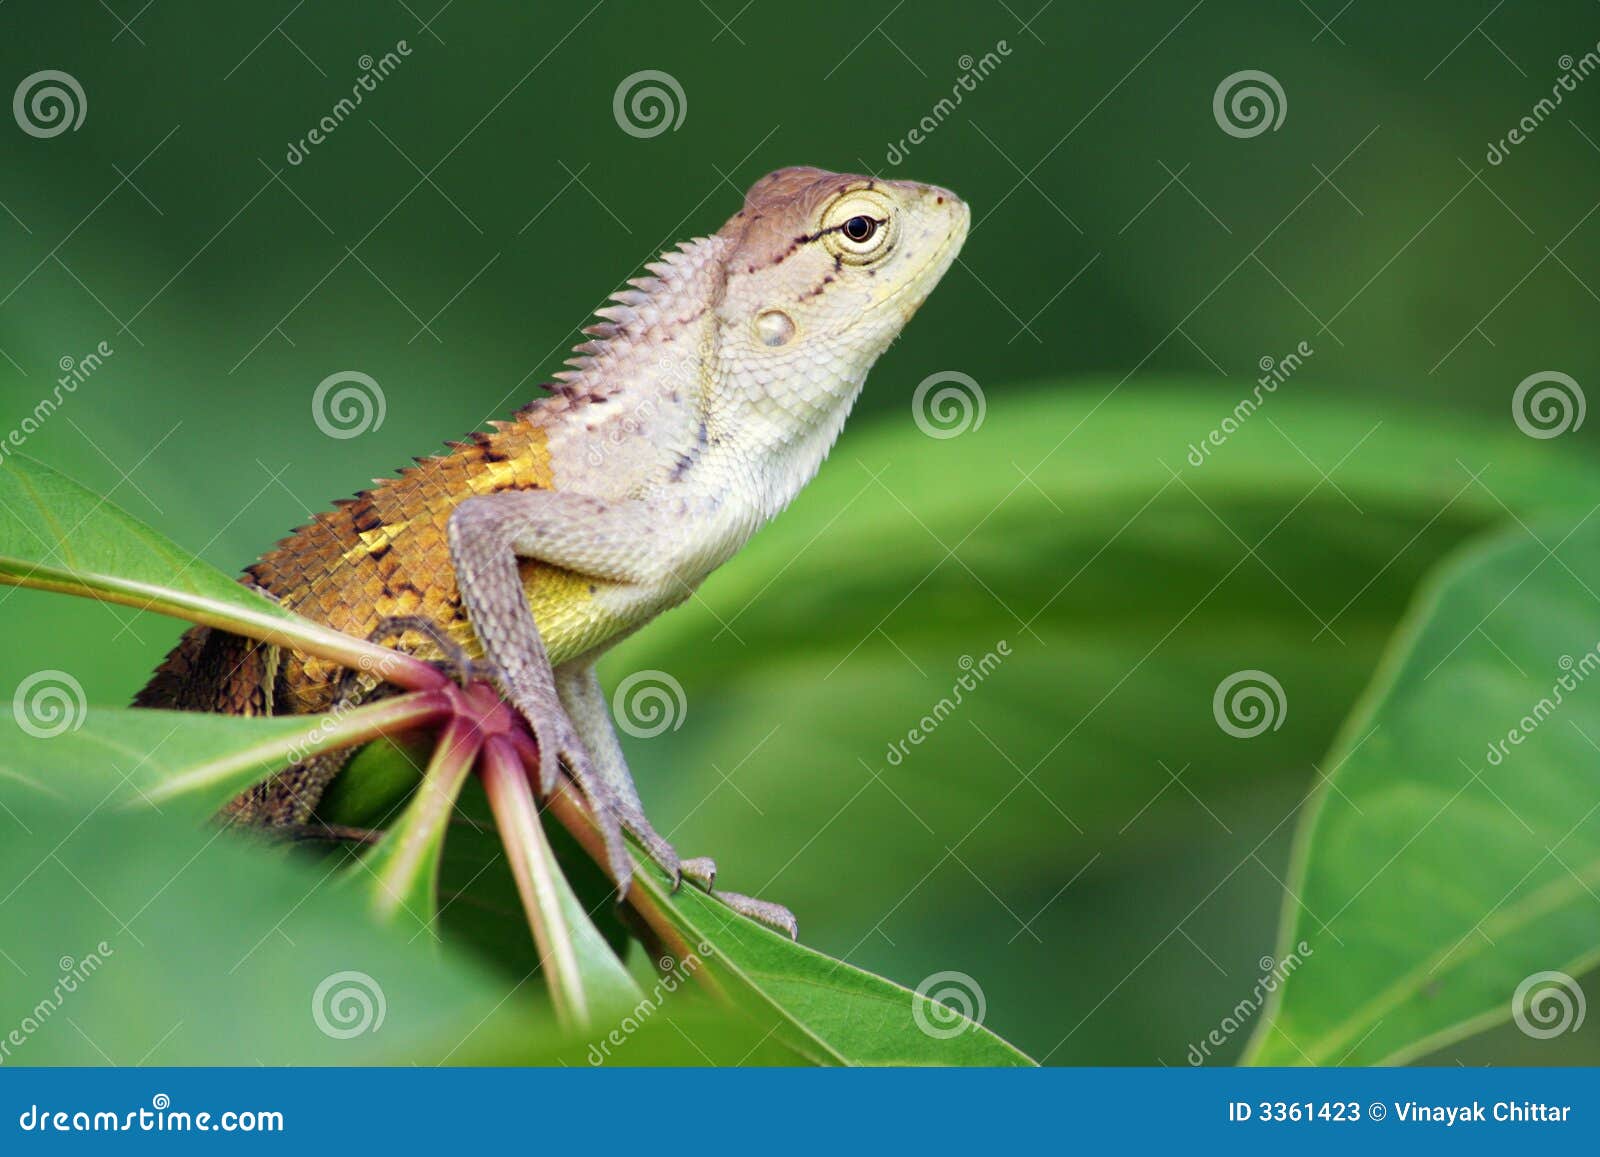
(920, 284)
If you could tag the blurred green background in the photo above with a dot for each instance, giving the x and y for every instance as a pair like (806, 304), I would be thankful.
(454, 232)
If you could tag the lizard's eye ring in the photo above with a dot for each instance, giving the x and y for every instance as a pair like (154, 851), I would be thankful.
(859, 229)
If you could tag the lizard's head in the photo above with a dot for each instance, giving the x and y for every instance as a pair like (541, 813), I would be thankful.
(823, 270)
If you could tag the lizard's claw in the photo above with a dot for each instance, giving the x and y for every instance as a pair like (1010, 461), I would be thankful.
(456, 663)
(701, 870)
(559, 748)
(774, 916)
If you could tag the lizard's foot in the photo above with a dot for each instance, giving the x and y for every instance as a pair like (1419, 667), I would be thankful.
(561, 748)
(459, 665)
(702, 871)
(774, 916)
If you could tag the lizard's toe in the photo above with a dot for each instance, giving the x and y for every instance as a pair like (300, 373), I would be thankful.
(561, 748)
(774, 916)
(618, 860)
(701, 870)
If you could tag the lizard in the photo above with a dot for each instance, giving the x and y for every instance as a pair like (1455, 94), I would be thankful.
(708, 393)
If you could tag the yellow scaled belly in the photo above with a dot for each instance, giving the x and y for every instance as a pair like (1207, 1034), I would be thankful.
(571, 611)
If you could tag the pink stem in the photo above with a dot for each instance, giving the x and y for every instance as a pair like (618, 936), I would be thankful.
(505, 779)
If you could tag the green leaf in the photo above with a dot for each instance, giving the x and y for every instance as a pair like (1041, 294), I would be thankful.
(1122, 579)
(60, 536)
(113, 756)
(825, 1010)
(1126, 595)
(1456, 850)
(131, 938)
(215, 944)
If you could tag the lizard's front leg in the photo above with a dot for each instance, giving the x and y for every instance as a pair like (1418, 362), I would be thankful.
(487, 534)
(617, 542)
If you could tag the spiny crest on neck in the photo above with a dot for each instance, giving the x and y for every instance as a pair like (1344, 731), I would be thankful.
(653, 310)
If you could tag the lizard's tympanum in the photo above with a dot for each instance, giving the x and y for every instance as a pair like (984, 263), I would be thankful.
(709, 394)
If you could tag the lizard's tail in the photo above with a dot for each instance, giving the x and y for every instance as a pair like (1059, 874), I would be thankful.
(211, 670)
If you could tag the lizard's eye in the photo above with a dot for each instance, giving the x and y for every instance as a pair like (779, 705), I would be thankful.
(859, 227)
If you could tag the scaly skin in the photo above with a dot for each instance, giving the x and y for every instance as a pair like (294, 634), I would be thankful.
(710, 394)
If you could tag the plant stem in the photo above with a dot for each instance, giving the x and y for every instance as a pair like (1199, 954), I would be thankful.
(505, 778)
(323, 733)
(406, 864)
(269, 624)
